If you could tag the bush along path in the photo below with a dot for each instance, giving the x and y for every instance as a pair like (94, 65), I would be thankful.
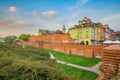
(94, 69)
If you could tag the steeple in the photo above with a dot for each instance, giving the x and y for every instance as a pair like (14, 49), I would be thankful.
(64, 29)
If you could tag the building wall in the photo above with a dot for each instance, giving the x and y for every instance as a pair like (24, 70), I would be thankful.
(118, 35)
(52, 38)
(113, 36)
(101, 33)
(75, 49)
(107, 35)
(73, 33)
(83, 34)
(86, 34)
(69, 48)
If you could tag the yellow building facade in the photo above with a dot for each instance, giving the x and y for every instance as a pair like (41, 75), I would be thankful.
(87, 32)
(83, 34)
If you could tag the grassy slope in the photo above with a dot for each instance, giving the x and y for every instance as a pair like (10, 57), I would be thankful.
(29, 63)
(79, 60)
(33, 63)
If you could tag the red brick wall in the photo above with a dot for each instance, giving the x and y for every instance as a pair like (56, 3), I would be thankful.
(75, 48)
(111, 61)
(53, 38)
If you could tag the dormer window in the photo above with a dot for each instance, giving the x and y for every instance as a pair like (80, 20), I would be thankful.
(86, 35)
(80, 35)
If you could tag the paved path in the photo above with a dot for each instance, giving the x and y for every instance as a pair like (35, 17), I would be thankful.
(51, 56)
(92, 69)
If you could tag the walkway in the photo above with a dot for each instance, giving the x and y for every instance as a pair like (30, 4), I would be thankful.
(92, 69)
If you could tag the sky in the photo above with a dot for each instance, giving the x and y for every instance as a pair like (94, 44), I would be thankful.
(28, 16)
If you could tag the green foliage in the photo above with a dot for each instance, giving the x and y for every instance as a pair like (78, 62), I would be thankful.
(10, 38)
(24, 37)
(29, 63)
(79, 60)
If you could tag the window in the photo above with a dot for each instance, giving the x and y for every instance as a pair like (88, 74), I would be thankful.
(80, 35)
(86, 29)
(80, 31)
(86, 35)
(92, 36)
(92, 30)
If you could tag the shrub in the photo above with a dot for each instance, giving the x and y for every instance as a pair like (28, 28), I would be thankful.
(24, 37)
(9, 39)
(29, 63)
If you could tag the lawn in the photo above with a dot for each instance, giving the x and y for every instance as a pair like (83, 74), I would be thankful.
(77, 74)
(30, 63)
(79, 60)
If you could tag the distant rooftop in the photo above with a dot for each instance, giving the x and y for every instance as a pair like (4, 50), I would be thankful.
(45, 31)
(58, 32)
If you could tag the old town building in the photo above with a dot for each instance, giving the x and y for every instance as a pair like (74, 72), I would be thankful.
(112, 35)
(107, 32)
(83, 32)
(43, 31)
(87, 32)
(101, 33)
(118, 35)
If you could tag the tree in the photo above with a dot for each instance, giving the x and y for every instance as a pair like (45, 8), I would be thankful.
(24, 37)
(10, 38)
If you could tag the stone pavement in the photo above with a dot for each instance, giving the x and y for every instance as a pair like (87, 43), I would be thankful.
(94, 69)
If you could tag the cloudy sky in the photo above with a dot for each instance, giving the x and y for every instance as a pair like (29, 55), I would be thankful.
(27, 16)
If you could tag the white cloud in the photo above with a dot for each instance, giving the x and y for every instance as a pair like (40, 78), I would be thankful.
(15, 26)
(44, 15)
(83, 1)
(35, 15)
(21, 22)
(78, 4)
(12, 9)
(49, 13)
(113, 21)
(14, 22)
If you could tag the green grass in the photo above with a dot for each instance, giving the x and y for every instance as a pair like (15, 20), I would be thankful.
(77, 74)
(79, 60)
(30, 63)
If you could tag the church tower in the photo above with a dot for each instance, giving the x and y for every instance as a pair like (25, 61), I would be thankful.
(64, 29)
